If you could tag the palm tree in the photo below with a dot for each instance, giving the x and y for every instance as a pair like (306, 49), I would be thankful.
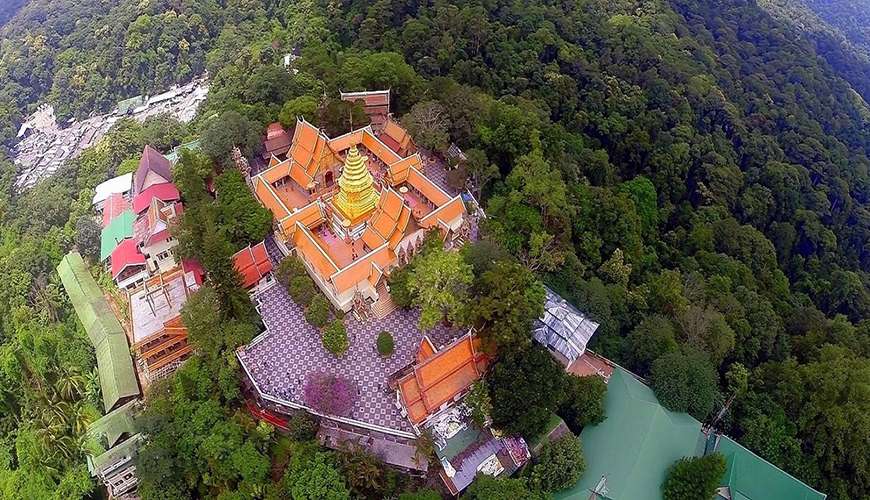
(70, 384)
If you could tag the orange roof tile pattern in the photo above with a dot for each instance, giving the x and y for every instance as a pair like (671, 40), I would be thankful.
(252, 263)
(441, 376)
(310, 148)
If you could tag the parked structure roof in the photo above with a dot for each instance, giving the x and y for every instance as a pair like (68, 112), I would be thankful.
(115, 367)
(750, 477)
(563, 328)
(116, 185)
(120, 228)
(627, 455)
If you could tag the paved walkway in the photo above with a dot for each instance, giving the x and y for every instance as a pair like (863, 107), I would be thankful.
(291, 349)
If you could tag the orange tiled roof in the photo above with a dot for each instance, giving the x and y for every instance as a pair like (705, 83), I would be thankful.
(399, 135)
(426, 351)
(388, 222)
(427, 188)
(399, 170)
(441, 377)
(267, 196)
(379, 149)
(310, 148)
(446, 214)
(309, 216)
(252, 263)
(347, 140)
(361, 269)
(312, 252)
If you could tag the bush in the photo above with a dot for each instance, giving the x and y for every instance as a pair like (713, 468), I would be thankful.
(385, 344)
(302, 426)
(694, 478)
(302, 290)
(317, 313)
(584, 402)
(335, 338)
(290, 268)
(559, 465)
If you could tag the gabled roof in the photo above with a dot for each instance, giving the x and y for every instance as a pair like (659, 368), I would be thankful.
(750, 477)
(563, 328)
(116, 185)
(396, 137)
(125, 255)
(252, 263)
(114, 205)
(154, 226)
(369, 97)
(628, 455)
(152, 162)
(441, 377)
(107, 431)
(115, 367)
(165, 191)
(119, 229)
(310, 148)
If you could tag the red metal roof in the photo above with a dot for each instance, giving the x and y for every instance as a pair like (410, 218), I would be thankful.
(126, 254)
(252, 263)
(165, 192)
(113, 206)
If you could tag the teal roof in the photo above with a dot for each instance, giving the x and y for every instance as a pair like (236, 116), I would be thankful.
(120, 228)
(634, 446)
(173, 155)
(104, 433)
(750, 477)
(117, 377)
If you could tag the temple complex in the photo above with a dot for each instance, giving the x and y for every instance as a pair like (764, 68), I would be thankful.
(355, 207)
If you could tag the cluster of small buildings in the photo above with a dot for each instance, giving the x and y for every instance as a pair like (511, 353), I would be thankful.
(44, 145)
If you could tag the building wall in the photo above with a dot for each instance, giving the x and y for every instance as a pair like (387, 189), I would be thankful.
(155, 264)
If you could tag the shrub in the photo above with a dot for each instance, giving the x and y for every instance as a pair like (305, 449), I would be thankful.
(559, 465)
(329, 393)
(302, 290)
(694, 478)
(302, 426)
(479, 403)
(290, 268)
(318, 311)
(335, 338)
(385, 344)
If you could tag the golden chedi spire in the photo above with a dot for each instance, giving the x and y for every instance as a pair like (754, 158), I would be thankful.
(356, 195)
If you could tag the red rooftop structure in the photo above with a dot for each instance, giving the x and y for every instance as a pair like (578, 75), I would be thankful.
(165, 191)
(277, 141)
(253, 264)
(113, 206)
(153, 169)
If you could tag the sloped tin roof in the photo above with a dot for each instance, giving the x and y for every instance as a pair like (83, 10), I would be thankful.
(115, 367)
(634, 446)
(563, 327)
(120, 228)
(753, 478)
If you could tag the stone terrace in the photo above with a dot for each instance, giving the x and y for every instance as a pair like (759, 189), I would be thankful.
(291, 348)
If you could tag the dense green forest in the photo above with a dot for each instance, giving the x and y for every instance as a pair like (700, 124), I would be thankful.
(694, 174)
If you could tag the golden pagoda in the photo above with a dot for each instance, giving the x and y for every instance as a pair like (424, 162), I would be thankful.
(356, 195)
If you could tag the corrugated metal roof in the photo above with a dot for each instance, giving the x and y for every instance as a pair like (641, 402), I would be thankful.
(563, 328)
(117, 231)
(117, 378)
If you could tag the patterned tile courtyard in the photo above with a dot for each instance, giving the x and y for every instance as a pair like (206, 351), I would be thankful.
(291, 348)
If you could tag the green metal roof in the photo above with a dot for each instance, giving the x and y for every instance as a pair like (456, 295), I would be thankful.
(105, 432)
(120, 228)
(633, 448)
(750, 477)
(173, 155)
(117, 377)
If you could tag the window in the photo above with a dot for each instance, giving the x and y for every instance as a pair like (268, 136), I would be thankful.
(164, 255)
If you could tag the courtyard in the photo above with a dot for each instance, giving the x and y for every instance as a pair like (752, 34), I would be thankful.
(279, 361)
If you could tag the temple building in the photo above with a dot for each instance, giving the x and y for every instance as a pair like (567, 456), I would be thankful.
(376, 104)
(355, 207)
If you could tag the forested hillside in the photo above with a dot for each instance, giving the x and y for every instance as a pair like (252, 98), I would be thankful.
(694, 174)
(85, 56)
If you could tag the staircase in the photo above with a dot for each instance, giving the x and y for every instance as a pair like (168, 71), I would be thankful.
(385, 305)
